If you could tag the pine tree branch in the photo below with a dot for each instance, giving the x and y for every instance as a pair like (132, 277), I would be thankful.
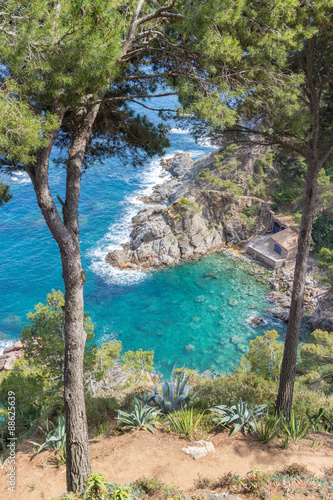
(154, 109)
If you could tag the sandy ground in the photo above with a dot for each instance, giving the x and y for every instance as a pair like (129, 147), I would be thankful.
(130, 456)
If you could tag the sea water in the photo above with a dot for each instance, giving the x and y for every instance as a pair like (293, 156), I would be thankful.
(194, 314)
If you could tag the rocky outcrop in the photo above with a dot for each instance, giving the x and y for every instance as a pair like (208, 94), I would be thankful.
(10, 355)
(282, 280)
(187, 220)
(323, 314)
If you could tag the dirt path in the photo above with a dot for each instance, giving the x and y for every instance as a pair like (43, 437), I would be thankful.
(127, 457)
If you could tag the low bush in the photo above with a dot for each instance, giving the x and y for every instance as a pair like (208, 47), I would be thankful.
(186, 423)
(143, 417)
(238, 417)
(253, 389)
(268, 428)
(100, 410)
(154, 487)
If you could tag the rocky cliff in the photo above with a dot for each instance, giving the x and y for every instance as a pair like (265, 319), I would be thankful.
(186, 218)
(323, 314)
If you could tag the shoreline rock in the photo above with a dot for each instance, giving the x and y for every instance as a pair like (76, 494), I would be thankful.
(10, 355)
(186, 221)
(322, 317)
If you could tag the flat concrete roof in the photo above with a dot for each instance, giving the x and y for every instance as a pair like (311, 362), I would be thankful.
(259, 248)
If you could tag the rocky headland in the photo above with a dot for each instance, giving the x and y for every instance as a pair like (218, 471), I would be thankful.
(187, 218)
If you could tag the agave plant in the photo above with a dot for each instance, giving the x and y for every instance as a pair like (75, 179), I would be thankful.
(238, 416)
(55, 437)
(175, 393)
(143, 416)
(95, 486)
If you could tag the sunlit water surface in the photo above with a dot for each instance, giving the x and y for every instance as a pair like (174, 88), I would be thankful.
(181, 313)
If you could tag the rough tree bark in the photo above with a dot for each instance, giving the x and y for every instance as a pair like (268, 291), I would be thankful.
(66, 233)
(288, 367)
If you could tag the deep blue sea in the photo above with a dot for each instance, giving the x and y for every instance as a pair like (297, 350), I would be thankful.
(184, 316)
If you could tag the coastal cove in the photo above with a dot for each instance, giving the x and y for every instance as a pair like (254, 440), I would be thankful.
(195, 313)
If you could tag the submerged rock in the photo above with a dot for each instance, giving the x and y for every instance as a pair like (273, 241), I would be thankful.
(12, 322)
(233, 302)
(257, 321)
(195, 319)
(189, 348)
(235, 339)
(200, 298)
(211, 276)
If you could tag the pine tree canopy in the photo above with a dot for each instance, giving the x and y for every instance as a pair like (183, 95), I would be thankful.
(58, 56)
(268, 71)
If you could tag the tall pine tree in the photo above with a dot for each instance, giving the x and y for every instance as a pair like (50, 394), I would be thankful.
(67, 70)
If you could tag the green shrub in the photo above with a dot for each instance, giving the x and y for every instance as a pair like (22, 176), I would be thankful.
(138, 363)
(176, 394)
(186, 423)
(268, 428)
(100, 410)
(153, 487)
(295, 469)
(143, 417)
(55, 439)
(264, 356)
(295, 428)
(248, 386)
(322, 231)
(326, 264)
(95, 486)
(186, 205)
(238, 417)
(212, 181)
(251, 211)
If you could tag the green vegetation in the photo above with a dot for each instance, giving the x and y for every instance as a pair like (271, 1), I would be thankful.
(138, 363)
(153, 487)
(238, 417)
(326, 264)
(210, 180)
(264, 356)
(143, 417)
(295, 427)
(186, 423)
(267, 428)
(251, 211)
(175, 393)
(186, 205)
(44, 338)
(5, 195)
(322, 231)
(55, 439)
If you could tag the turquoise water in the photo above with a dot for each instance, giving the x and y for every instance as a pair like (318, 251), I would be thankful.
(165, 310)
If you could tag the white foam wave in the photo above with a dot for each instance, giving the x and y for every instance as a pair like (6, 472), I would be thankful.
(179, 131)
(206, 142)
(19, 178)
(119, 232)
(4, 344)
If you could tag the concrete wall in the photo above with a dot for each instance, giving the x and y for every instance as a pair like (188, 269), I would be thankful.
(285, 254)
(264, 259)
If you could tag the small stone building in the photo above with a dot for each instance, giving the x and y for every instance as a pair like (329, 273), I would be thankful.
(284, 243)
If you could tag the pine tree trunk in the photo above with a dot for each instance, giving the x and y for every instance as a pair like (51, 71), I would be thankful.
(288, 367)
(77, 461)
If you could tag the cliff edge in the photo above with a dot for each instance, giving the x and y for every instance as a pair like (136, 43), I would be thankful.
(188, 217)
